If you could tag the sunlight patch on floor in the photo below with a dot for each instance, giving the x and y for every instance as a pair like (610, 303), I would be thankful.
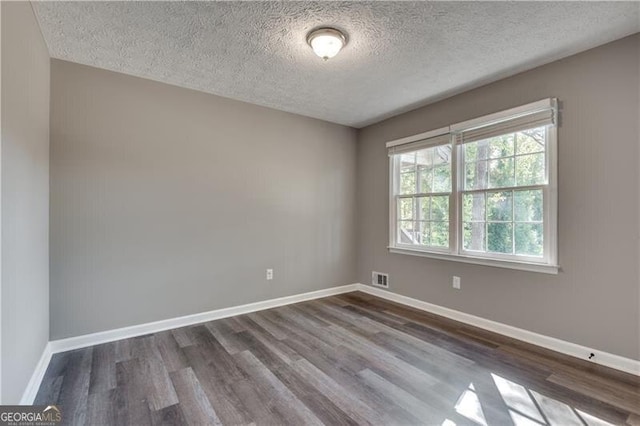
(522, 408)
(525, 407)
(469, 406)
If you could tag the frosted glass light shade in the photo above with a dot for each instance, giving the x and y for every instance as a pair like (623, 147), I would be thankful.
(326, 42)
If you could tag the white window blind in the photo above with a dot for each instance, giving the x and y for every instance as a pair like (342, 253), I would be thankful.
(543, 114)
(420, 144)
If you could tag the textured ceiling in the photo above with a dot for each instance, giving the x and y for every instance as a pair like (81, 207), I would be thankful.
(400, 54)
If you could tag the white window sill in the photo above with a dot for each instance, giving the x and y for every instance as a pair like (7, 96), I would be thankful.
(523, 266)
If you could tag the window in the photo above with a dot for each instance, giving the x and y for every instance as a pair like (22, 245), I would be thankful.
(482, 191)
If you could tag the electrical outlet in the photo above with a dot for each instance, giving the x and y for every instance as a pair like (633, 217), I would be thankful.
(269, 274)
(456, 282)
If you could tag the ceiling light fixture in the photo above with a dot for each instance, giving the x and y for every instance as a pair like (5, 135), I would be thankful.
(326, 42)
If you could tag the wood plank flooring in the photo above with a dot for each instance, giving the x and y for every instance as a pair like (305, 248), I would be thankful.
(343, 360)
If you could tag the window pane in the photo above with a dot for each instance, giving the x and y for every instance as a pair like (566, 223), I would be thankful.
(476, 175)
(501, 146)
(441, 154)
(408, 183)
(424, 233)
(530, 141)
(501, 173)
(530, 169)
(442, 178)
(476, 151)
(439, 234)
(474, 236)
(407, 233)
(425, 171)
(425, 179)
(473, 208)
(405, 206)
(423, 205)
(500, 238)
(407, 162)
(528, 205)
(529, 238)
(440, 208)
(499, 206)
(424, 157)
(470, 152)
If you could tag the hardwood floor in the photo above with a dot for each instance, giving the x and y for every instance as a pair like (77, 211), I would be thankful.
(349, 359)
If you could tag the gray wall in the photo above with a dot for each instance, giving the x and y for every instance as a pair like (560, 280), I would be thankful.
(24, 197)
(593, 301)
(167, 202)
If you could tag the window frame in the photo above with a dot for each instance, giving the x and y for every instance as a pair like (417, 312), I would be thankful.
(455, 251)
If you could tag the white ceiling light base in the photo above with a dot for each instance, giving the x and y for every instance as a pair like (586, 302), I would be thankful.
(326, 42)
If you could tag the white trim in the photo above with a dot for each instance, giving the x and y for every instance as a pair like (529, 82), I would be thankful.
(63, 345)
(393, 206)
(456, 252)
(606, 359)
(582, 352)
(86, 340)
(551, 194)
(420, 136)
(497, 117)
(497, 263)
(31, 391)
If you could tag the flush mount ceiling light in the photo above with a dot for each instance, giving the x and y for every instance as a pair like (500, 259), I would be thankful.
(326, 42)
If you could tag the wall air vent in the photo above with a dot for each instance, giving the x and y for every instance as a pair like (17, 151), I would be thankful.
(379, 279)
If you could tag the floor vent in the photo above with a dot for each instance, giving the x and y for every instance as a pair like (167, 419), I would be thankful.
(380, 279)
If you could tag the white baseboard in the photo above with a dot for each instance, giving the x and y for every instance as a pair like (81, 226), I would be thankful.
(617, 362)
(83, 341)
(86, 340)
(607, 359)
(30, 392)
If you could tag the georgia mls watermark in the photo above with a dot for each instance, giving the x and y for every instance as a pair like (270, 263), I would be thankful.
(30, 415)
